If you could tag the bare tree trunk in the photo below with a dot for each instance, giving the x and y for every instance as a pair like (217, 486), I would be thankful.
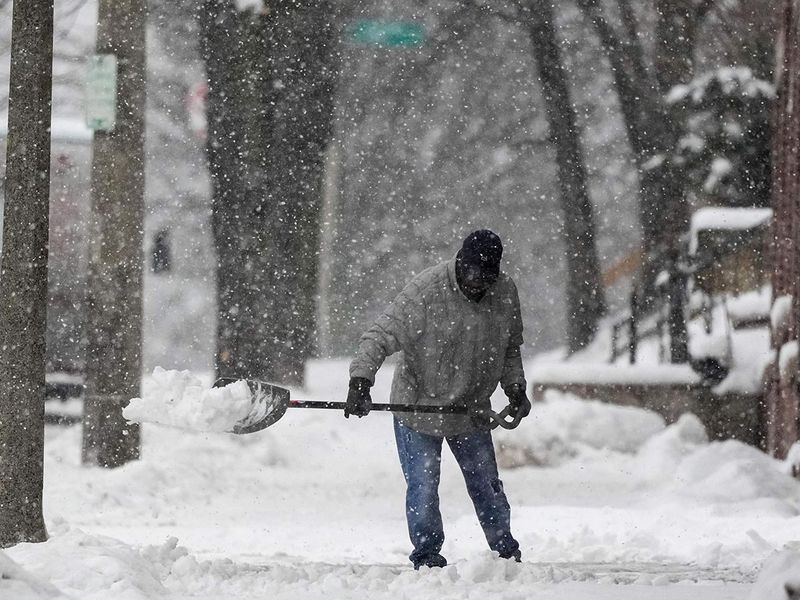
(304, 65)
(235, 196)
(585, 298)
(269, 111)
(23, 274)
(114, 299)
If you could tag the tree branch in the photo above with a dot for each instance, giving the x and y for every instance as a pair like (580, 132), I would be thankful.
(636, 51)
(626, 88)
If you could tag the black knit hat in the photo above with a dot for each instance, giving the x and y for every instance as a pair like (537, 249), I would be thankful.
(483, 249)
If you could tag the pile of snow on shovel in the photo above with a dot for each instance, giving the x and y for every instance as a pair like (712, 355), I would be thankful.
(179, 399)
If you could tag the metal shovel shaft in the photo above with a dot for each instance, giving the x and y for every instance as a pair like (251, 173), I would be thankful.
(416, 408)
(271, 401)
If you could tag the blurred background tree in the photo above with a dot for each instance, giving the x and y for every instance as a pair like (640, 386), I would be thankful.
(653, 47)
(724, 148)
(271, 74)
(428, 141)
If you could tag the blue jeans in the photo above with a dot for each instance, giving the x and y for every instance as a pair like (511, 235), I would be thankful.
(421, 456)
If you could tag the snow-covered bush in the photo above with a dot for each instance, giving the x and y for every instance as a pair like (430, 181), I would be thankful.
(724, 147)
(17, 583)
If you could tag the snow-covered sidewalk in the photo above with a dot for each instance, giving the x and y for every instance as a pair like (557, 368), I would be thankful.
(620, 506)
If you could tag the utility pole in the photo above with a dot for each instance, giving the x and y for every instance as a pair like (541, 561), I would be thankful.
(23, 274)
(114, 298)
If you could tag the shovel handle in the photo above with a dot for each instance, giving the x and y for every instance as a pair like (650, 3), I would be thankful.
(415, 408)
(502, 419)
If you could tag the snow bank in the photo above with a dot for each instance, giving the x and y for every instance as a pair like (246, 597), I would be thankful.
(179, 399)
(92, 567)
(779, 578)
(19, 584)
(606, 374)
(677, 458)
(730, 472)
(564, 426)
(660, 456)
(181, 474)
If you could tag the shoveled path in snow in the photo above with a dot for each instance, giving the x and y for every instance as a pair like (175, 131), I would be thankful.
(477, 578)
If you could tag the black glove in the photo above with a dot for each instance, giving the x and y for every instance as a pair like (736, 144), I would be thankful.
(518, 400)
(359, 402)
(480, 419)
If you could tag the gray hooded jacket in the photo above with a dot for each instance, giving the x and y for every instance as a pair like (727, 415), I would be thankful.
(454, 351)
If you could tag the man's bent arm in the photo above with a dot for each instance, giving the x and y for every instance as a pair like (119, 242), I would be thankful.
(393, 331)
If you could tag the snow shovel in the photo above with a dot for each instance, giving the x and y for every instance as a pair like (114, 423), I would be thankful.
(271, 401)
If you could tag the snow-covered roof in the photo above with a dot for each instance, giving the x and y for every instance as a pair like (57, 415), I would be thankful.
(726, 219)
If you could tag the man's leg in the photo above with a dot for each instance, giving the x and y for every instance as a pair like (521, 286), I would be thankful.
(421, 456)
(474, 453)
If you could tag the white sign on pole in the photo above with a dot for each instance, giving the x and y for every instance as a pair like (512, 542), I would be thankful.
(101, 92)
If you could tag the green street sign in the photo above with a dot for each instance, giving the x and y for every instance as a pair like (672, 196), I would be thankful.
(387, 33)
(101, 92)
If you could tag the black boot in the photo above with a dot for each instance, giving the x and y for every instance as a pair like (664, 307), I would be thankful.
(516, 555)
(434, 560)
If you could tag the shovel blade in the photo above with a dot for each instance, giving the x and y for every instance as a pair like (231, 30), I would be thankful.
(269, 403)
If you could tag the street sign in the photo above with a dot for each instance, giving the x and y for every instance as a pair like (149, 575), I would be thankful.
(387, 33)
(101, 92)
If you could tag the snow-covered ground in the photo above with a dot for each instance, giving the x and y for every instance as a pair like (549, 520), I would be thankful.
(610, 503)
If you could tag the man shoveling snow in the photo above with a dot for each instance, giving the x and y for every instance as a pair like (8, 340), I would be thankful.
(459, 328)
